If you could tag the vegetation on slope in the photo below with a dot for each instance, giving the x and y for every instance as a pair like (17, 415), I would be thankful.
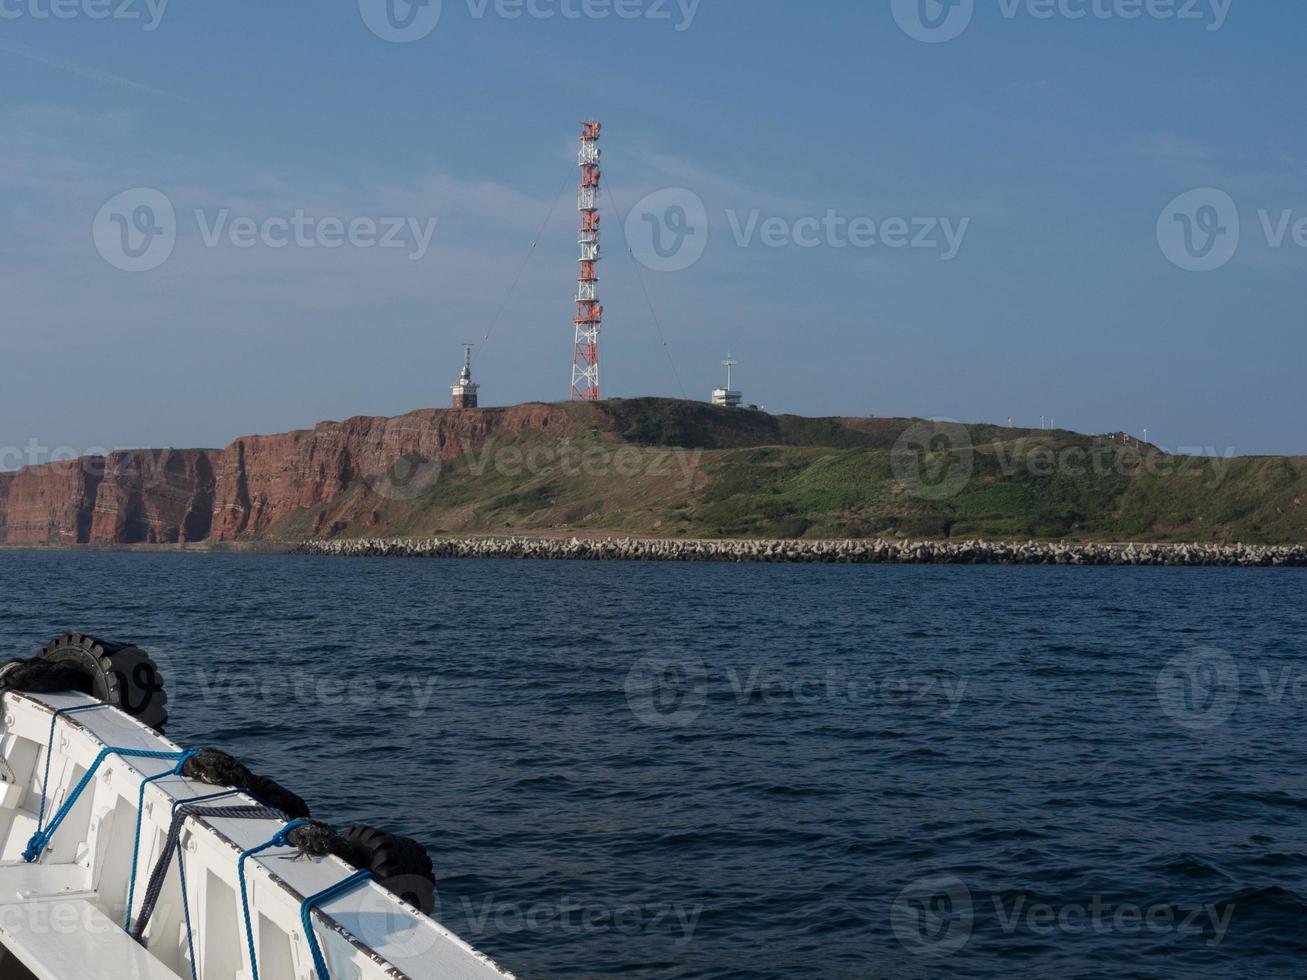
(672, 468)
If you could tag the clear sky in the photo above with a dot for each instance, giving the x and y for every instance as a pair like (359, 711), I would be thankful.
(1035, 159)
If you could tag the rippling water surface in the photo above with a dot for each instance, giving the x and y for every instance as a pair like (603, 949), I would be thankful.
(630, 770)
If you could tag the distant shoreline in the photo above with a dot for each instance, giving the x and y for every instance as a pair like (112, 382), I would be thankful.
(865, 552)
(752, 551)
(192, 547)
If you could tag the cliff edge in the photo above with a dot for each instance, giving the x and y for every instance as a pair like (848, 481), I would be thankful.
(655, 468)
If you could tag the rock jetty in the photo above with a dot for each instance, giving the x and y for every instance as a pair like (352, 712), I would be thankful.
(828, 552)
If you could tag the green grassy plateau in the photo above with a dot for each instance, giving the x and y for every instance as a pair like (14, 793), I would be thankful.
(664, 468)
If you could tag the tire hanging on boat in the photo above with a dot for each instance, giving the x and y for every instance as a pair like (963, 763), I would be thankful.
(401, 865)
(119, 674)
(217, 768)
(128, 678)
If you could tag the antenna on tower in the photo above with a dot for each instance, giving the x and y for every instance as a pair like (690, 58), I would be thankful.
(589, 314)
(727, 397)
(465, 389)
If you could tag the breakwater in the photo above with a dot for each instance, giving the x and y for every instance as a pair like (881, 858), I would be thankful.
(824, 552)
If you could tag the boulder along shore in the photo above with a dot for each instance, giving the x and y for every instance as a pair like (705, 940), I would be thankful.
(824, 552)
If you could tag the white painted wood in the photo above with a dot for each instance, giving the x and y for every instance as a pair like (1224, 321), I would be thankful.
(366, 934)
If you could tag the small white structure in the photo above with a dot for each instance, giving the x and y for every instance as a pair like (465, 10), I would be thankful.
(465, 390)
(728, 397)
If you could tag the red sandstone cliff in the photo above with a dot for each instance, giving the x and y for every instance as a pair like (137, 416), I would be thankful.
(261, 480)
(53, 504)
(154, 497)
(171, 496)
(150, 496)
(6, 481)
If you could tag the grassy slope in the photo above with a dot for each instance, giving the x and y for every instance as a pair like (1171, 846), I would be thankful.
(749, 474)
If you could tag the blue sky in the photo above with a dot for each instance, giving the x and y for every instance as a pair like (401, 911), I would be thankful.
(1052, 145)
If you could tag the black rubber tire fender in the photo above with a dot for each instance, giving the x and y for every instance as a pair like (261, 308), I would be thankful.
(274, 794)
(401, 865)
(116, 673)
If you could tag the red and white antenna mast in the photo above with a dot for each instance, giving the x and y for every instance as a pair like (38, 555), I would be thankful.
(589, 314)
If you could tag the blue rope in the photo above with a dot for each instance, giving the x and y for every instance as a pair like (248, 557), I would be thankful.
(326, 895)
(278, 840)
(49, 751)
(140, 813)
(41, 838)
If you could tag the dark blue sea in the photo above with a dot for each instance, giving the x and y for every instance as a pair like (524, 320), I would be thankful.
(640, 770)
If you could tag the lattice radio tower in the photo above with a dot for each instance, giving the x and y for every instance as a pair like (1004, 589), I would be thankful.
(589, 314)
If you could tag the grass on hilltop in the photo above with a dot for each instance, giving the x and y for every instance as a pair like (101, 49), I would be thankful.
(697, 471)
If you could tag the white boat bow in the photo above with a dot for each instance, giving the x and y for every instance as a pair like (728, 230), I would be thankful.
(64, 912)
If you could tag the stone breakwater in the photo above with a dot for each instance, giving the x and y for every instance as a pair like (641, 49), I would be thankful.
(827, 552)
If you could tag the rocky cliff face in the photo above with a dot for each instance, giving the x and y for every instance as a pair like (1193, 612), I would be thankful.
(154, 497)
(171, 496)
(54, 503)
(6, 481)
(141, 496)
(261, 480)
